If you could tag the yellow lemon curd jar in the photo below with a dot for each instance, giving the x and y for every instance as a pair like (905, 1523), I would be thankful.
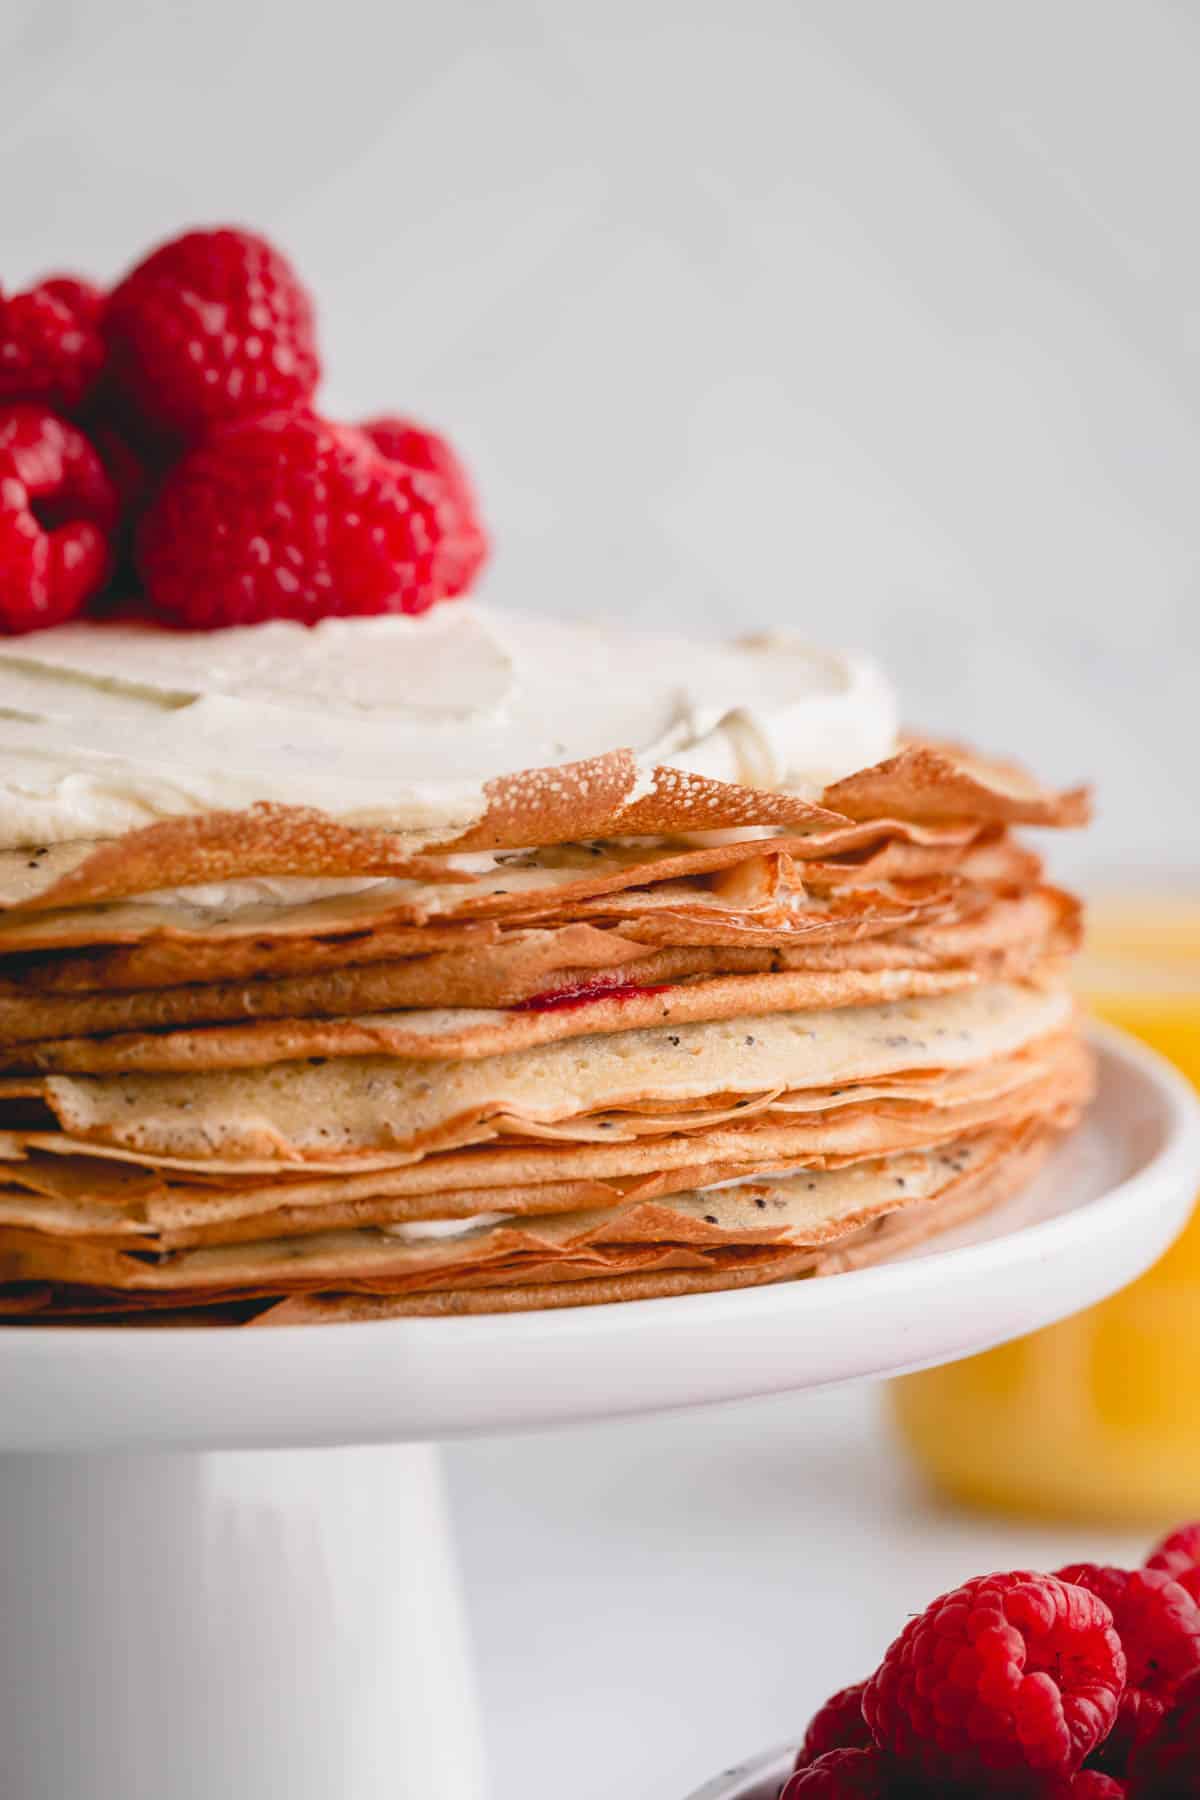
(1099, 1416)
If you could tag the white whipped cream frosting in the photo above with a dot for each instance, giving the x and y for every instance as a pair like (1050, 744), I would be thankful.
(398, 722)
(424, 1231)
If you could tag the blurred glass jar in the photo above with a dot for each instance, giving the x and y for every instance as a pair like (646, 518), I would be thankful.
(1098, 1416)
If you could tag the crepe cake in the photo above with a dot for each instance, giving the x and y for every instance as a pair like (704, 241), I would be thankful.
(479, 961)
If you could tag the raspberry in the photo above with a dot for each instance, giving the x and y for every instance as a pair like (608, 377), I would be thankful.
(1179, 1553)
(214, 325)
(58, 510)
(81, 297)
(126, 468)
(839, 1725)
(288, 517)
(1089, 1784)
(1189, 1581)
(51, 347)
(1179, 1557)
(134, 452)
(134, 472)
(843, 1775)
(1158, 1624)
(403, 441)
(1005, 1675)
(1167, 1765)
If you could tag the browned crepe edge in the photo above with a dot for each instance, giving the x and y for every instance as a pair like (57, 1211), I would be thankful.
(904, 1230)
(535, 807)
(26, 1254)
(889, 1237)
(26, 929)
(456, 1183)
(505, 969)
(498, 969)
(33, 1303)
(143, 1215)
(564, 804)
(264, 839)
(633, 1110)
(258, 1043)
(929, 783)
(164, 956)
(44, 1304)
(1008, 936)
(638, 864)
(461, 1143)
(595, 798)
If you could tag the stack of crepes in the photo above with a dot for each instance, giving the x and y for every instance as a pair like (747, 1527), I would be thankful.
(630, 1034)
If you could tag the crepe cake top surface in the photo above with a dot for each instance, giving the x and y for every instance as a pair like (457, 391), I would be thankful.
(399, 723)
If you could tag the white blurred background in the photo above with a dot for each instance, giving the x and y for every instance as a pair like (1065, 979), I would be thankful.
(879, 320)
(876, 320)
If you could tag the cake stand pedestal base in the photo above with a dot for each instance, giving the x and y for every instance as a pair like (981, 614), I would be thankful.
(258, 1625)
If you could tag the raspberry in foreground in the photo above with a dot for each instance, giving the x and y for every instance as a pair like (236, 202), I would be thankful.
(214, 325)
(838, 1725)
(428, 453)
(1189, 1581)
(1167, 1765)
(1006, 1676)
(1179, 1553)
(1179, 1556)
(51, 346)
(843, 1775)
(58, 512)
(1158, 1624)
(288, 517)
(1089, 1784)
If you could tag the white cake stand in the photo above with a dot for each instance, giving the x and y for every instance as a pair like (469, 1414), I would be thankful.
(206, 1595)
(758, 1779)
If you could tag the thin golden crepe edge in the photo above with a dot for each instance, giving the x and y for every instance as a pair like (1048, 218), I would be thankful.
(641, 1224)
(726, 1256)
(26, 1254)
(568, 803)
(988, 857)
(934, 782)
(505, 969)
(1043, 922)
(564, 804)
(638, 1123)
(645, 864)
(147, 1223)
(80, 1310)
(630, 1111)
(67, 1165)
(254, 1044)
(876, 1245)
